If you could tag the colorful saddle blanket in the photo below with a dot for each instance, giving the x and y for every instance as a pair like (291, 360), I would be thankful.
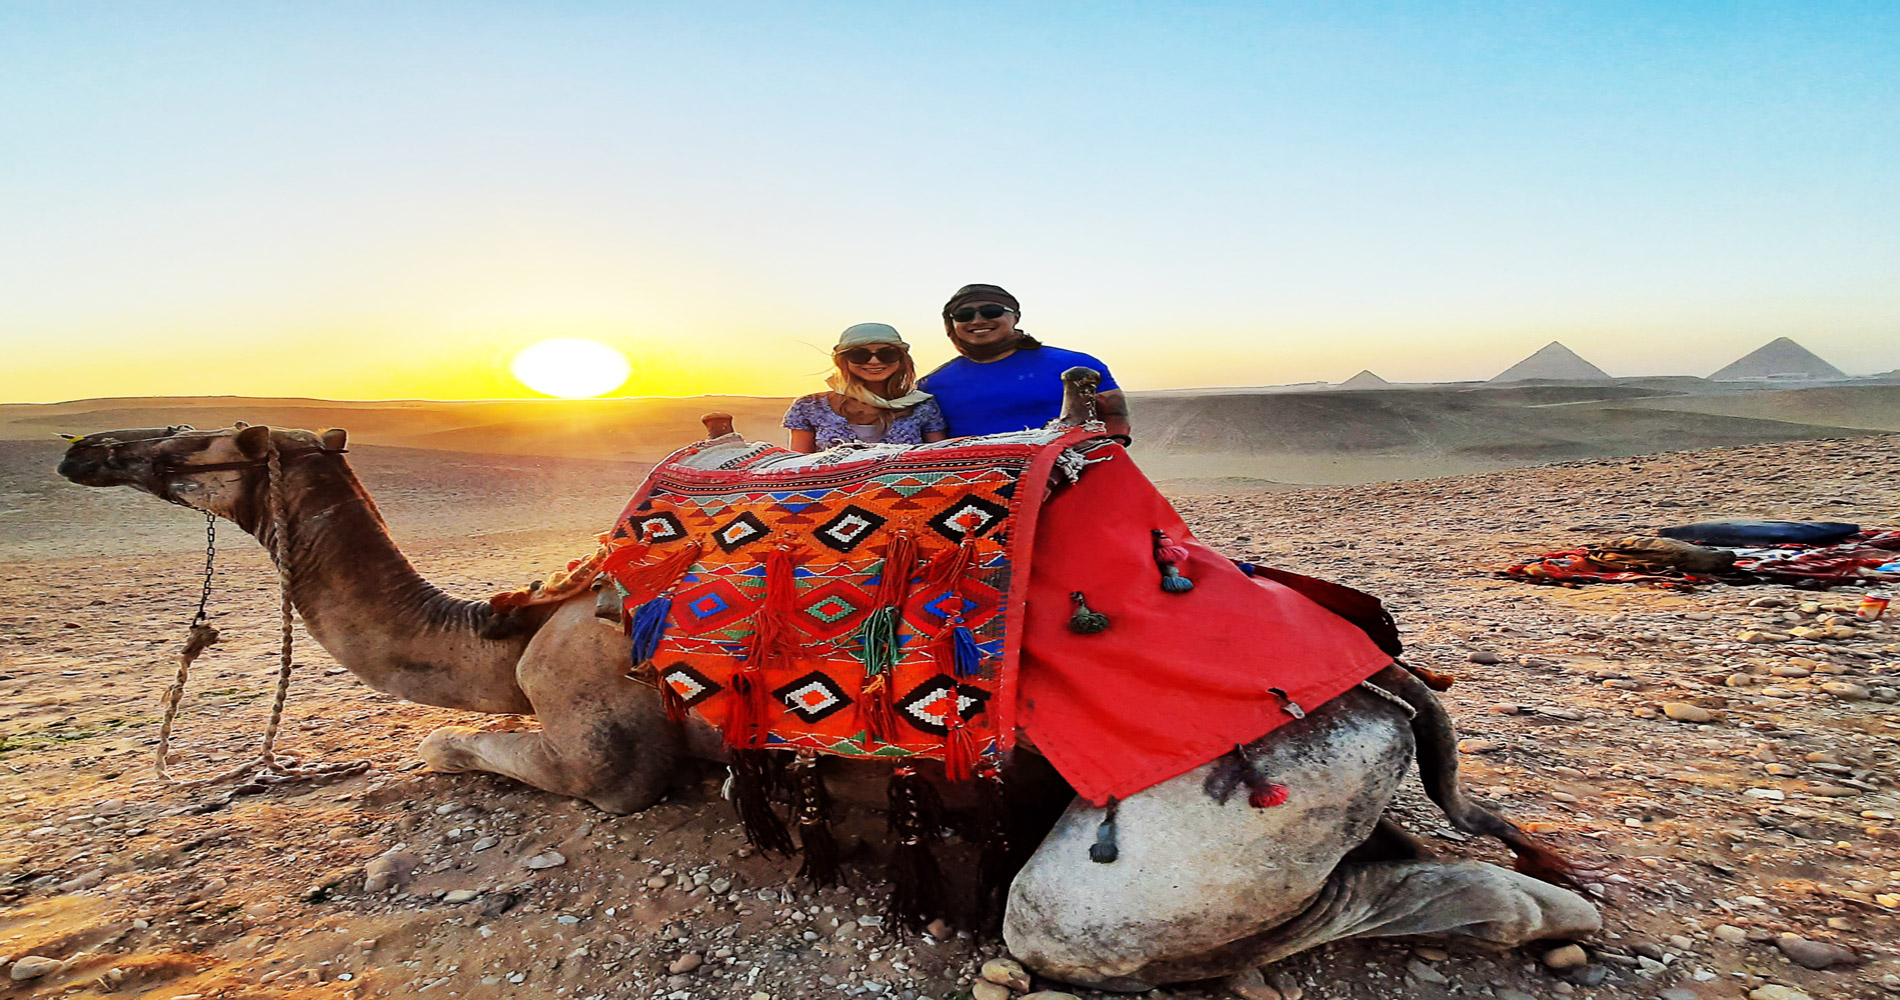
(763, 597)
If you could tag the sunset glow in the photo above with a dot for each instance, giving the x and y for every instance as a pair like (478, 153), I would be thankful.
(571, 368)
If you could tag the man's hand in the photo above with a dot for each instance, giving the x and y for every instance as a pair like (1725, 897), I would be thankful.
(1112, 408)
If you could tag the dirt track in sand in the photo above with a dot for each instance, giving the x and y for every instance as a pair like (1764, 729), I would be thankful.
(264, 897)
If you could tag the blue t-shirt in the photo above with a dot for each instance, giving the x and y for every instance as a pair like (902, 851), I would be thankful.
(1021, 391)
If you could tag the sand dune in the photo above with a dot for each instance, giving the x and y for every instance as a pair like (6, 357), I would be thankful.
(1311, 436)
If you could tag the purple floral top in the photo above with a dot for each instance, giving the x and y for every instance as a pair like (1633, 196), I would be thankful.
(814, 413)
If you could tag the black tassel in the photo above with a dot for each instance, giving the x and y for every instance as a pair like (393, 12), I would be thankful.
(763, 829)
(1104, 851)
(995, 863)
(916, 882)
(811, 809)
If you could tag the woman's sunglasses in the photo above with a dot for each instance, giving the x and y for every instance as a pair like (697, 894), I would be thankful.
(968, 313)
(865, 355)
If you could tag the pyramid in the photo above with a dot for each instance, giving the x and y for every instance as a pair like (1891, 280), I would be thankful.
(1779, 358)
(1556, 363)
(1365, 380)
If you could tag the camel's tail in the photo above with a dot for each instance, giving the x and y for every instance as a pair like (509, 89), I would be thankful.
(1438, 769)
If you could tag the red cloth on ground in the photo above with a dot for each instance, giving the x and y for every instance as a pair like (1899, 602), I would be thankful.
(1177, 679)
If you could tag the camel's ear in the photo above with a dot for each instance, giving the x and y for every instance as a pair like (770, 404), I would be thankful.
(334, 439)
(254, 441)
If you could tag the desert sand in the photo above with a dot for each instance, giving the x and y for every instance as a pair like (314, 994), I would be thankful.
(1774, 817)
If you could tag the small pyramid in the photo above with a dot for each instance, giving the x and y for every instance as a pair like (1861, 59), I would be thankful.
(1365, 380)
(1556, 363)
(1779, 358)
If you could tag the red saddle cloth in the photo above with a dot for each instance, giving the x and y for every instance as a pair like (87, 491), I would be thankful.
(1176, 679)
(997, 536)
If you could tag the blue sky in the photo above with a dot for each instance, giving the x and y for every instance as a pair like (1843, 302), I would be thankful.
(377, 200)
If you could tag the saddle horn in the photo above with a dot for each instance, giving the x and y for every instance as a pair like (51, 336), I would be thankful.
(718, 425)
(1079, 385)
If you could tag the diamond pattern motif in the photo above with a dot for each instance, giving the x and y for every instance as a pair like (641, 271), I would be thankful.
(812, 697)
(832, 609)
(709, 606)
(968, 515)
(928, 705)
(692, 686)
(851, 525)
(741, 530)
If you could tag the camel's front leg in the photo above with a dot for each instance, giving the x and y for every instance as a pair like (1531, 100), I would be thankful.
(603, 738)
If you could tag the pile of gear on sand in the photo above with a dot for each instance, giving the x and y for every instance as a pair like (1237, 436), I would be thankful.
(1808, 554)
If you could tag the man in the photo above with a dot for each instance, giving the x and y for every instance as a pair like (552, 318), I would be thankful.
(1005, 379)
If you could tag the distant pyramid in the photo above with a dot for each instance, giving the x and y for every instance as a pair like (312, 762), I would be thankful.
(1365, 380)
(1556, 363)
(1779, 358)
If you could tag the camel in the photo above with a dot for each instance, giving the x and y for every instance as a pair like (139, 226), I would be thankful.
(1202, 889)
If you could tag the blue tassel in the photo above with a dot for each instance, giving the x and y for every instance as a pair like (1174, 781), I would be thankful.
(968, 659)
(1173, 582)
(649, 627)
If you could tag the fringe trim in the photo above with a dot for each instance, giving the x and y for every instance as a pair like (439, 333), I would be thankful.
(750, 782)
(916, 881)
(811, 809)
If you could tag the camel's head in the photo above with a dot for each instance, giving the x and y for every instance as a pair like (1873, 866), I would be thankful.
(220, 471)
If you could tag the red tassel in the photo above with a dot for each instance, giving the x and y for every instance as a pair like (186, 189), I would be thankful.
(877, 709)
(893, 583)
(670, 699)
(774, 636)
(959, 752)
(645, 581)
(742, 716)
(1268, 796)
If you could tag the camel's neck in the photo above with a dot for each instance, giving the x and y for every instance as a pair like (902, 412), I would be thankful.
(365, 604)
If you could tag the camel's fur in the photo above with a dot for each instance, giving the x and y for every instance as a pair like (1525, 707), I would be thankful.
(1202, 888)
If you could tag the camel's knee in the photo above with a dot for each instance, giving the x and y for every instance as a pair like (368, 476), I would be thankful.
(447, 749)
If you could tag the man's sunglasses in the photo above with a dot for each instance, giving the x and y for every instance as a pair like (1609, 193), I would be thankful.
(865, 355)
(968, 313)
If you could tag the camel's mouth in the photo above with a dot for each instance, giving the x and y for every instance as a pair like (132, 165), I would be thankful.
(102, 460)
(93, 469)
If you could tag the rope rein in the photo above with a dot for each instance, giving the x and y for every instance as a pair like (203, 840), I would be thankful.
(269, 766)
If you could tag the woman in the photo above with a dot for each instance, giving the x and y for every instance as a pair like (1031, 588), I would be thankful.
(873, 396)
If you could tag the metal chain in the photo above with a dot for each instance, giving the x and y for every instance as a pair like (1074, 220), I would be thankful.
(211, 555)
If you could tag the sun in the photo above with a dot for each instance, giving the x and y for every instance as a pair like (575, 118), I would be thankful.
(570, 367)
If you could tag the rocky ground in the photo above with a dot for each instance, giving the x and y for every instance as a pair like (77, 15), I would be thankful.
(1744, 842)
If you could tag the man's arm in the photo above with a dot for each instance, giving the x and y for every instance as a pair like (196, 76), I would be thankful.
(1112, 408)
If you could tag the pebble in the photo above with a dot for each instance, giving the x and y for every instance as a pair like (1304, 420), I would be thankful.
(459, 895)
(657, 882)
(1059, 995)
(1832, 791)
(1569, 956)
(1431, 954)
(1845, 691)
(33, 967)
(1814, 954)
(983, 989)
(1478, 746)
(1772, 794)
(1251, 984)
(1008, 972)
(939, 929)
(1774, 991)
(1424, 973)
(1505, 708)
(483, 844)
(1682, 711)
(392, 869)
(1485, 657)
(1588, 975)
(721, 886)
(685, 963)
(1730, 934)
(548, 859)
(1678, 994)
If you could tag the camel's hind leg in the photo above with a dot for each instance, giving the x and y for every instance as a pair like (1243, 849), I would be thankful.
(1395, 898)
(603, 738)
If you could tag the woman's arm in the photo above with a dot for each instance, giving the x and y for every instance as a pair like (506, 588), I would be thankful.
(805, 441)
(931, 437)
